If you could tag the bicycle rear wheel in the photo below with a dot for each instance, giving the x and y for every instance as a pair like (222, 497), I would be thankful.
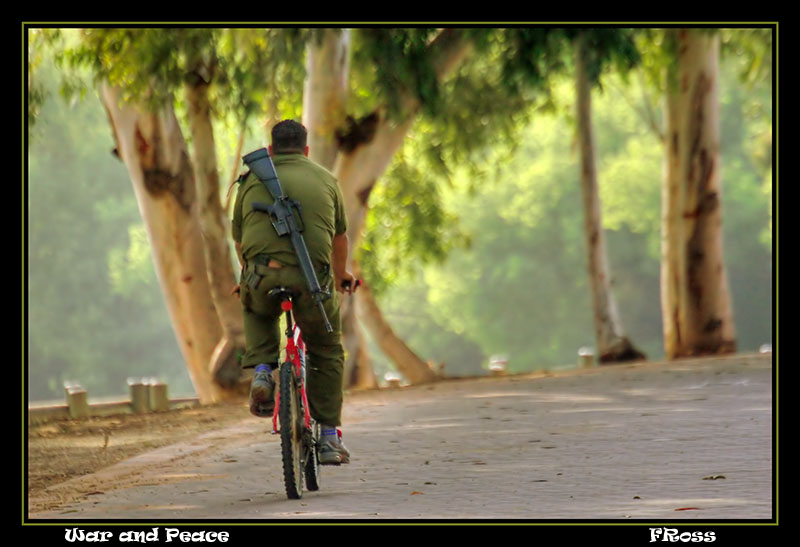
(291, 433)
(312, 459)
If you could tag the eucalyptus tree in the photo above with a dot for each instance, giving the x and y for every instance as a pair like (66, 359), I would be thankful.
(682, 66)
(458, 90)
(595, 48)
(696, 307)
(144, 74)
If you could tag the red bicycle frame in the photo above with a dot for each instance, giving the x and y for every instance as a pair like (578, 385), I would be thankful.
(295, 354)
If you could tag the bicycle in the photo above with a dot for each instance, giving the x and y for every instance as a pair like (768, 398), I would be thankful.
(300, 433)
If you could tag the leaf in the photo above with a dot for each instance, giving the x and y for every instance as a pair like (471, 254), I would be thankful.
(689, 509)
(713, 477)
(414, 493)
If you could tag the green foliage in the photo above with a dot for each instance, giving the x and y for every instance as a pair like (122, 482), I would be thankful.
(93, 299)
(521, 287)
(475, 238)
(407, 226)
(37, 41)
(489, 101)
(606, 48)
(398, 62)
(752, 49)
(249, 70)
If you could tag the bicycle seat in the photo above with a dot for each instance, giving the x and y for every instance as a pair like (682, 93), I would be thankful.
(283, 293)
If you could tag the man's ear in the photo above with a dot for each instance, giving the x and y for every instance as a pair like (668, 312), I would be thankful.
(306, 151)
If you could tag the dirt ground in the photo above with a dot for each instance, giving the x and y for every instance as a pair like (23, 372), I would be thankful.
(60, 450)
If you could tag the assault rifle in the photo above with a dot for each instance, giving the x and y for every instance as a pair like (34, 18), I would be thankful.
(284, 214)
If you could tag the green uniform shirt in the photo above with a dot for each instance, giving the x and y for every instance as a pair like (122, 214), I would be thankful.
(318, 193)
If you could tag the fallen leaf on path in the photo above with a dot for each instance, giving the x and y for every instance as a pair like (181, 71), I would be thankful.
(688, 509)
(713, 477)
(414, 493)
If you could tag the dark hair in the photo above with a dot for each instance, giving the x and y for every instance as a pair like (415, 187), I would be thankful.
(289, 136)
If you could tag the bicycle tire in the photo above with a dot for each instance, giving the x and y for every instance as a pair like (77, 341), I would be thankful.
(291, 433)
(312, 469)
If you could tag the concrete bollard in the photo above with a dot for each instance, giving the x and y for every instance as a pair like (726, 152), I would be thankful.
(77, 402)
(498, 365)
(392, 379)
(585, 357)
(159, 401)
(140, 396)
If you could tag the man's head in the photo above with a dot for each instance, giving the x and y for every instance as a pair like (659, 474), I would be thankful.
(289, 137)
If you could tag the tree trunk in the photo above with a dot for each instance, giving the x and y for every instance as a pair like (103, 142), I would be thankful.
(672, 268)
(324, 99)
(371, 143)
(365, 152)
(211, 216)
(696, 307)
(358, 371)
(408, 363)
(154, 152)
(612, 344)
(325, 93)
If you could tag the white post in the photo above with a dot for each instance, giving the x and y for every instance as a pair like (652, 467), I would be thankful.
(585, 357)
(140, 396)
(77, 401)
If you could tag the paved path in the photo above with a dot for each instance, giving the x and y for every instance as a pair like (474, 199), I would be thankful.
(670, 441)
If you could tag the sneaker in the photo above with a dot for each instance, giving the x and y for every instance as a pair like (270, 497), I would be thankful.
(262, 402)
(333, 453)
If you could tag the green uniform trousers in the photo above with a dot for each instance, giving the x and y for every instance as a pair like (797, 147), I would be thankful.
(324, 350)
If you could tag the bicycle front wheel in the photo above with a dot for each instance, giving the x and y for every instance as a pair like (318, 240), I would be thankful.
(291, 433)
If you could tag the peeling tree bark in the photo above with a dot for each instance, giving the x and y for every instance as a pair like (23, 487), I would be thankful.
(672, 197)
(154, 152)
(211, 216)
(696, 308)
(612, 344)
(325, 93)
(364, 159)
(364, 150)
(367, 146)
(324, 99)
